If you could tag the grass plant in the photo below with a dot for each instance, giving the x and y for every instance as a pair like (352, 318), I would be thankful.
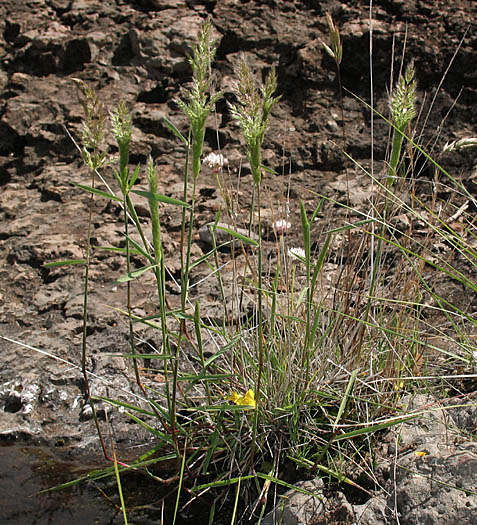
(319, 365)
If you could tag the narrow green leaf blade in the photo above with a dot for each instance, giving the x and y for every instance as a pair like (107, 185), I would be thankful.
(373, 428)
(161, 198)
(128, 406)
(174, 130)
(268, 170)
(134, 177)
(237, 235)
(144, 356)
(63, 263)
(347, 394)
(122, 251)
(136, 273)
(99, 192)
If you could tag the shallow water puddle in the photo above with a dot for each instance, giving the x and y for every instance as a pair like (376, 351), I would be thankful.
(25, 470)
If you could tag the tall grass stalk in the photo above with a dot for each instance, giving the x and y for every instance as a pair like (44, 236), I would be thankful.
(402, 112)
(197, 103)
(94, 158)
(252, 113)
(122, 129)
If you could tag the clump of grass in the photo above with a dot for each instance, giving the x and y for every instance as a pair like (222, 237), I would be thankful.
(318, 365)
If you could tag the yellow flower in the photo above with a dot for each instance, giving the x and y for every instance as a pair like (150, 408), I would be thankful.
(247, 400)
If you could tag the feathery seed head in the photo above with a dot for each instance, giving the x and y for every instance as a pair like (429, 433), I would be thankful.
(455, 145)
(403, 99)
(199, 100)
(252, 112)
(122, 129)
(93, 125)
(335, 49)
(152, 175)
(122, 123)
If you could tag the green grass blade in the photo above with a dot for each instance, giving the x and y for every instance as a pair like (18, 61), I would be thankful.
(373, 428)
(277, 481)
(99, 192)
(203, 258)
(347, 394)
(212, 513)
(204, 377)
(143, 356)
(268, 170)
(174, 130)
(121, 251)
(237, 235)
(222, 483)
(213, 443)
(237, 494)
(134, 177)
(63, 263)
(120, 489)
(136, 273)
(150, 429)
(352, 226)
(340, 477)
(161, 198)
(140, 249)
(181, 479)
(123, 404)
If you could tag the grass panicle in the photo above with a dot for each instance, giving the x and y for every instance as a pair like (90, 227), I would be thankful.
(403, 110)
(200, 99)
(252, 112)
(335, 49)
(94, 118)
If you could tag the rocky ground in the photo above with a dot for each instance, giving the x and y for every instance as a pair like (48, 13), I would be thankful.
(137, 51)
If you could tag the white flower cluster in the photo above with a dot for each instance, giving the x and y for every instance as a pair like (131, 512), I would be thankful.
(216, 161)
(281, 226)
(297, 253)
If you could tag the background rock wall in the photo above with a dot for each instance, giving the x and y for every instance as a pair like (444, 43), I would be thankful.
(137, 51)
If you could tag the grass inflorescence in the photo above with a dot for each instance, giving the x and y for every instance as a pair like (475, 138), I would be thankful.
(318, 364)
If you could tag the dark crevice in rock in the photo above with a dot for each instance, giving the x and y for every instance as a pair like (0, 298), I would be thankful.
(10, 141)
(232, 43)
(215, 139)
(47, 195)
(5, 176)
(157, 95)
(77, 53)
(60, 6)
(11, 31)
(124, 53)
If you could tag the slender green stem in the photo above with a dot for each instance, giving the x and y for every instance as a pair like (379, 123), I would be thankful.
(185, 269)
(395, 154)
(160, 276)
(260, 345)
(85, 295)
(129, 289)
